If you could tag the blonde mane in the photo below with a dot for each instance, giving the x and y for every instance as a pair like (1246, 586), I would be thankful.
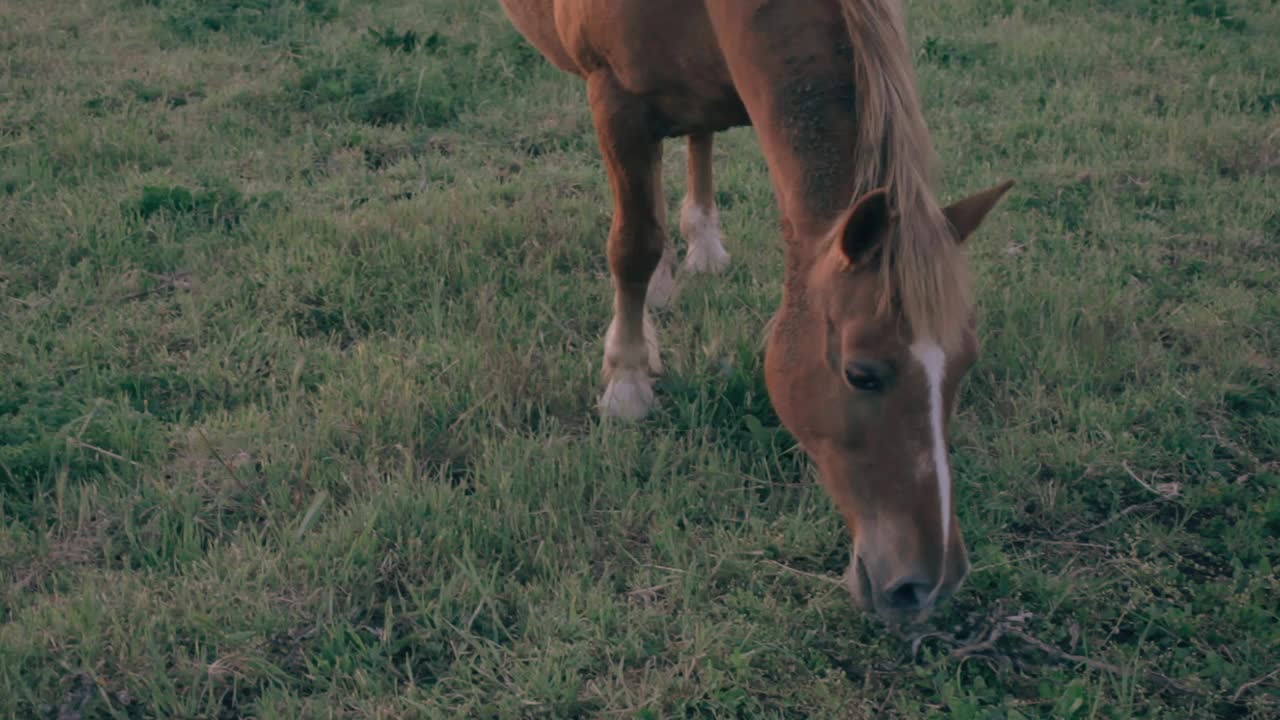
(924, 270)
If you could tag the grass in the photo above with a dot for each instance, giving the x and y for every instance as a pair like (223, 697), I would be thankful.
(301, 319)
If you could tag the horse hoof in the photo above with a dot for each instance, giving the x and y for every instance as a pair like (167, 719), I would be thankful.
(628, 396)
(706, 258)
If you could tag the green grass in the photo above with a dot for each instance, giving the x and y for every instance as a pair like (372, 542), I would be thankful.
(300, 336)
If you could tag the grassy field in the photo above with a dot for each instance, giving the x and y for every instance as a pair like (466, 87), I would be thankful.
(300, 328)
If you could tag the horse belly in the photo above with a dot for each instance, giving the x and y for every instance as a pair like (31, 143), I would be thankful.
(663, 51)
(681, 113)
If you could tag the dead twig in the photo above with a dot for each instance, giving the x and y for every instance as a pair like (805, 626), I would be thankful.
(802, 573)
(1168, 490)
(1123, 513)
(1010, 561)
(1070, 543)
(1012, 626)
(981, 646)
(231, 473)
(648, 594)
(990, 636)
(1057, 654)
(919, 640)
(1164, 492)
(1235, 697)
(167, 281)
(888, 697)
(78, 443)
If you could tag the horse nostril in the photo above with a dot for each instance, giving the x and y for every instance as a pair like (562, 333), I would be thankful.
(908, 594)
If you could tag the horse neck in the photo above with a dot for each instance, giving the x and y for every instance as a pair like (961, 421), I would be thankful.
(814, 190)
(813, 177)
(795, 76)
(795, 65)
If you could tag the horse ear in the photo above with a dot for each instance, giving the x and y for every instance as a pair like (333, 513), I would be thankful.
(864, 226)
(967, 214)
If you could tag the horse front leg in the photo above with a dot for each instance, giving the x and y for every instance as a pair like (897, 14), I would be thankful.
(632, 154)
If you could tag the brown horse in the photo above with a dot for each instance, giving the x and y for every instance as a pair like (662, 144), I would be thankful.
(876, 326)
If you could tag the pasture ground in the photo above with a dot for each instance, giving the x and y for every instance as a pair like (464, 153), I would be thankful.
(301, 322)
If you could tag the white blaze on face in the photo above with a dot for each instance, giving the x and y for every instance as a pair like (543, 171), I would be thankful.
(934, 361)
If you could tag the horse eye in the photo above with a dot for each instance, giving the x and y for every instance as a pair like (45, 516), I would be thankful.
(863, 378)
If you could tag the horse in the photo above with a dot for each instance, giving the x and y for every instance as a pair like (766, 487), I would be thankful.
(876, 326)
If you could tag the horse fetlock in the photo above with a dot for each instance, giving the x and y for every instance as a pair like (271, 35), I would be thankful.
(631, 351)
(700, 227)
